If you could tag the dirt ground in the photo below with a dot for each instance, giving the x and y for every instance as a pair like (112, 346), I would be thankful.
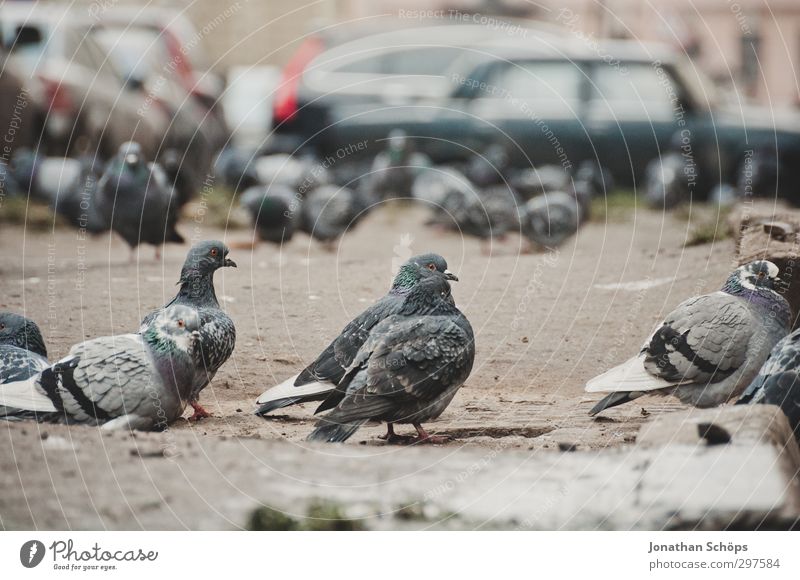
(544, 323)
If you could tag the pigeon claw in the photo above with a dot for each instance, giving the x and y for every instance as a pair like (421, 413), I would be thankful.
(199, 412)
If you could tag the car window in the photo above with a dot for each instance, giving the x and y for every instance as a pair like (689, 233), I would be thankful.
(634, 91)
(427, 60)
(534, 80)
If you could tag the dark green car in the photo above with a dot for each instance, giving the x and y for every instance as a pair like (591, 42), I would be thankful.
(620, 103)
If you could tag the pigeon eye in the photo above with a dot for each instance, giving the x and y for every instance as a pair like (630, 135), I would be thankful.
(214, 252)
(431, 267)
(181, 323)
(2, 326)
(761, 274)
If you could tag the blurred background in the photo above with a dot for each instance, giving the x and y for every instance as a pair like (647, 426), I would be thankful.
(671, 102)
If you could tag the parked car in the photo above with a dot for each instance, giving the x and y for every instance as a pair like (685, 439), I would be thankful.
(383, 62)
(177, 42)
(86, 105)
(546, 100)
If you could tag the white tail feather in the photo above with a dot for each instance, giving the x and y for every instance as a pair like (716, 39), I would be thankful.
(629, 376)
(25, 395)
(287, 389)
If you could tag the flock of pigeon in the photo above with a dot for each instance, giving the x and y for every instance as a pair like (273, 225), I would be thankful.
(401, 361)
(487, 198)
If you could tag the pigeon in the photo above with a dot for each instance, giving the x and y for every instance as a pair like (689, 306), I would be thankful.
(490, 169)
(407, 371)
(532, 181)
(319, 378)
(550, 219)
(328, 211)
(299, 173)
(394, 170)
(275, 211)
(179, 176)
(434, 185)
(22, 349)
(594, 178)
(217, 331)
(67, 185)
(236, 169)
(778, 381)
(709, 348)
(135, 198)
(129, 381)
(666, 181)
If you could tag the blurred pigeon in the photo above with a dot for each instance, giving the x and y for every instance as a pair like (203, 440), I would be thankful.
(129, 381)
(299, 173)
(135, 198)
(408, 370)
(435, 184)
(217, 333)
(394, 170)
(550, 219)
(533, 181)
(275, 211)
(67, 185)
(236, 168)
(489, 169)
(179, 176)
(319, 378)
(778, 381)
(594, 178)
(667, 178)
(22, 349)
(328, 211)
(709, 348)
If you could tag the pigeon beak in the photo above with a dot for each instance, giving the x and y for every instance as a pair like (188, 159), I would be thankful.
(450, 276)
(131, 159)
(230, 263)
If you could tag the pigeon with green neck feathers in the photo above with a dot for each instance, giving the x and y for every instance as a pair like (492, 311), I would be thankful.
(407, 371)
(320, 378)
(709, 348)
(217, 331)
(22, 349)
(130, 381)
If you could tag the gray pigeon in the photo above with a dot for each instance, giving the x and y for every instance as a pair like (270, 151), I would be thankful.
(320, 378)
(778, 381)
(22, 349)
(532, 181)
(328, 211)
(394, 170)
(666, 183)
(135, 198)
(217, 331)
(275, 211)
(408, 370)
(299, 173)
(709, 348)
(550, 219)
(130, 381)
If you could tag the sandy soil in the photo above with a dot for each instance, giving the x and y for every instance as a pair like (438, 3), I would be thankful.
(544, 323)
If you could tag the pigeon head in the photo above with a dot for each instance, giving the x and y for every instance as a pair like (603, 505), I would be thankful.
(431, 293)
(760, 274)
(176, 327)
(16, 330)
(130, 153)
(205, 258)
(409, 273)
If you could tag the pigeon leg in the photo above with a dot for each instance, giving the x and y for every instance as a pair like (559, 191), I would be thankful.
(392, 437)
(424, 437)
(158, 253)
(199, 411)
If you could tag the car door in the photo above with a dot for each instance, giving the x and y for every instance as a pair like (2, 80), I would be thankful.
(635, 113)
(534, 108)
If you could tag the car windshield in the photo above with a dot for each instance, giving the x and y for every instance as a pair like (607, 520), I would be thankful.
(136, 52)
